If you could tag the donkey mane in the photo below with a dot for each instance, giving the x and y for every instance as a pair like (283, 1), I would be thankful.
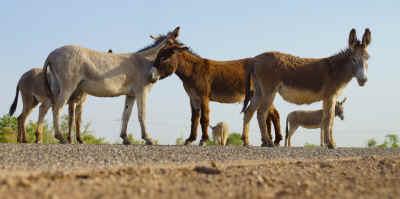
(159, 39)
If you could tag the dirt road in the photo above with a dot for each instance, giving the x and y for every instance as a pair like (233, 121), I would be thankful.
(115, 171)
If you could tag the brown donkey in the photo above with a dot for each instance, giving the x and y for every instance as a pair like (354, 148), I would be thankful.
(304, 81)
(206, 80)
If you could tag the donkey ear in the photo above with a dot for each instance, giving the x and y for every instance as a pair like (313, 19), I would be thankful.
(352, 38)
(175, 33)
(343, 101)
(366, 38)
(153, 37)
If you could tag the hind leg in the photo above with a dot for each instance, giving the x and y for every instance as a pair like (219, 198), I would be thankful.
(58, 104)
(248, 114)
(43, 108)
(29, 103)
(261, 116)
(141, 105)
(273, 113)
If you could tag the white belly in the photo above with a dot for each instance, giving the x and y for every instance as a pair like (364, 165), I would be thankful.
(299, 96)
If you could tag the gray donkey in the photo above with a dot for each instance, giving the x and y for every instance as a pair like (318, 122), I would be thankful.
(103, 75)
(33, 91)
(309, 120)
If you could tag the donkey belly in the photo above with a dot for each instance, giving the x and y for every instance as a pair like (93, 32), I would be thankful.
(299, 96)
(103, 89)
(311, 126)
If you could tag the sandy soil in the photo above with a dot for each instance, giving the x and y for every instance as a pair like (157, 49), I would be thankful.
(367, 176)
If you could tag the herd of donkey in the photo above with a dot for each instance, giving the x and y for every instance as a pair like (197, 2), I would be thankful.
(70, 73)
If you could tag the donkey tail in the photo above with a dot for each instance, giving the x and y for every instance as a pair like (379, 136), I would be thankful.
(14, 104)
(249, 93)
(287, 128)
(47, 82)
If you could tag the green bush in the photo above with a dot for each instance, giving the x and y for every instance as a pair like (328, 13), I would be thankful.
(179, 141)
(309, 145)
(391, 141)
(8, 131)
(234, 139)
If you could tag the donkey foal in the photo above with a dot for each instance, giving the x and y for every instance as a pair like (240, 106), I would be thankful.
(220, 133)
(309, 120)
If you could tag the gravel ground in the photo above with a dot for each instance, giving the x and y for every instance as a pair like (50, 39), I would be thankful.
(57, 156)
(117, 171)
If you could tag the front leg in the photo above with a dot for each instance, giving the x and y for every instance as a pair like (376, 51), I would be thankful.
(129, 100)
(205, 114)
(71, 120)
(195, 108)
(327, 121)
(78, 120)
(141, 103)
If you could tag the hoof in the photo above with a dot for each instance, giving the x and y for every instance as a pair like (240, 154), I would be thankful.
(149, 142)
(203, 142)
(70, 140)
(266, 144)
(188, 142)
(38, 141)
(245, 141)
(80, 141)
(331, 146)
(126, 142)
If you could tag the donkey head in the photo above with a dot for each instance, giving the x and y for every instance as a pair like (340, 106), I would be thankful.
(339, 109)
(166, 61)
(360, 55)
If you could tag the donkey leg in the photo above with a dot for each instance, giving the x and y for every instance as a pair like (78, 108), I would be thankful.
(204, 121)
(78, 120)
(141, 104)
(269, 125)
(291, 133)
(327, 120)
(248, 114)
(71, 120)
(322, 144)
(59, 102)
(277, 125)
(261, 116)
(43, 108)
(195, 108)
(28, 106)
(129, 101)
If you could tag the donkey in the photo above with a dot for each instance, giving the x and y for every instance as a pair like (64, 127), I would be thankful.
(304, 81)
(207, 80)
(220, 133)
(103, 75)
(309, 120)
(33, 92)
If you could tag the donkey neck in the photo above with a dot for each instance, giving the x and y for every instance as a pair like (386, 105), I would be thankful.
(186, 62)
(151, 53)
(341, 70)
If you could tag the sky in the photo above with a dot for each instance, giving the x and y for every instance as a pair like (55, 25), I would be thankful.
(218, 30)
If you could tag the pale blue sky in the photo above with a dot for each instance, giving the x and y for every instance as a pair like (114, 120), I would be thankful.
(220, 30)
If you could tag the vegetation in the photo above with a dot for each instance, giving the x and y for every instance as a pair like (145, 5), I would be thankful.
(234, 139)
(391, 141)
(8, 131)
(309, 145)
(180, 141)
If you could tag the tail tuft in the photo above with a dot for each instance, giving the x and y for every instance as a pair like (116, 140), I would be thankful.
(14, 104)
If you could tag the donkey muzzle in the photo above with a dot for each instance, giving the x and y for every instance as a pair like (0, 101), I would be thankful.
(362, 81)
(154, 75)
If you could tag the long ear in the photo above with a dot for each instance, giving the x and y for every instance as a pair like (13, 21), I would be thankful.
(174, 34)
(343, 101)
(352, 38)
(153, 37)
(366, 38)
